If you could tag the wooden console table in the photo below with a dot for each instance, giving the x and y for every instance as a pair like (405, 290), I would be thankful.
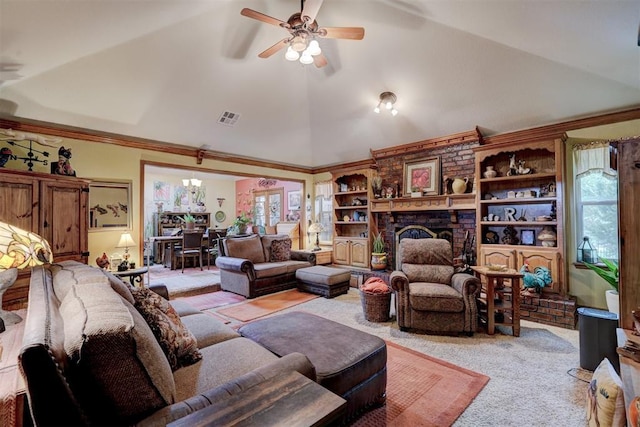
(493, 285)
(289, 399)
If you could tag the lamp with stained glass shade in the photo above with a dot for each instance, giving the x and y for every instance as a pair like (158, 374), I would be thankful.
(19, 249)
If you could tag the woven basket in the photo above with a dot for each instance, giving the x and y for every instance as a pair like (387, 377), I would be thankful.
(376, 307)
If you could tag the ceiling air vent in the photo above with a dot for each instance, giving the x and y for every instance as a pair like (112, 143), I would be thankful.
(228, 118)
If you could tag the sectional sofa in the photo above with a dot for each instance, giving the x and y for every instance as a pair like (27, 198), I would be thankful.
(92, 355)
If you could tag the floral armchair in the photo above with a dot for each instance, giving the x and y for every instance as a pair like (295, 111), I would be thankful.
(430, 296)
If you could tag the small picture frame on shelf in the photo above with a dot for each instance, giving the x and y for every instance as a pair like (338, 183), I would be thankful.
(528, 237)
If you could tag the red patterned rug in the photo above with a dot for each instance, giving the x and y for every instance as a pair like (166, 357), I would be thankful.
(268, 304)
(213, 299)
(423, 391)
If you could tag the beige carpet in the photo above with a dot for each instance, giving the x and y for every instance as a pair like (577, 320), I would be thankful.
(263, 306)
(423, 391)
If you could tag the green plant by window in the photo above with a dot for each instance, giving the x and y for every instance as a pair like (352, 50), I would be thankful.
(378, 244)
(610, 274)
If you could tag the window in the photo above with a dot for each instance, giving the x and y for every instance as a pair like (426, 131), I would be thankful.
(324, 209)
(596, 188)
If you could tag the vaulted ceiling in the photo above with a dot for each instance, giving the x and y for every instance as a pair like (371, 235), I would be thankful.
(167, 70)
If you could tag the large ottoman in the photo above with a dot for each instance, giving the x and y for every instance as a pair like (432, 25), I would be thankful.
(326, 281)
(350, 363)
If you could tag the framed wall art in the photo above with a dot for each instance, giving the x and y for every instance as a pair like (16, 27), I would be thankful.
(109, 205)
(423, 174)
(293, 200)
(528, 237)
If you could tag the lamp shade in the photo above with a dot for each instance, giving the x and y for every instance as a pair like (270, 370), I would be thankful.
(22, 249)
(316, 227)
(126, 241)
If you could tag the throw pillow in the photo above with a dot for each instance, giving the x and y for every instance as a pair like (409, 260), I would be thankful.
(280, 250)
(605, 399)
(176, 341)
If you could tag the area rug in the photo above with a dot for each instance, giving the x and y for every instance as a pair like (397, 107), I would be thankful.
(212, 300)
(423, 391)
(268, 304)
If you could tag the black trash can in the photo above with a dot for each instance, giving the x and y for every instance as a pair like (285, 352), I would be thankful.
(597, 338)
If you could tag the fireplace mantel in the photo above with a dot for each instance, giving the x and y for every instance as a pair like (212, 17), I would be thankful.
(451, 202)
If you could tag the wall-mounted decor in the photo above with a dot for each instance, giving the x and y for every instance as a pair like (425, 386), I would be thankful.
(161, 191)
(109, 205)
(294, 199)
(423, 174)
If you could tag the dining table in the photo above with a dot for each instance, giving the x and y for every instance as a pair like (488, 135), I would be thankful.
(167, 246)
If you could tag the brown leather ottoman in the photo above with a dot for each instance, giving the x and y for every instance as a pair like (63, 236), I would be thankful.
(326, 281)
(350, 363)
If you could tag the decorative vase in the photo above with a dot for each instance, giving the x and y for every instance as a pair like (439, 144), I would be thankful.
(378, 261)
(490, 173)
(613, 301)
(548, 237)
(459, 185)
(190, 225)
(242, 229)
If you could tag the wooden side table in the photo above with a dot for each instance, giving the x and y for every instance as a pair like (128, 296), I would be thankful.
(493, 303)
(323, 256)
(12, 386)
(134, 275)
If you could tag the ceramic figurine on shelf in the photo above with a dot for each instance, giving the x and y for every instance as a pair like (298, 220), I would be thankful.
(513, 170)
(63, 165)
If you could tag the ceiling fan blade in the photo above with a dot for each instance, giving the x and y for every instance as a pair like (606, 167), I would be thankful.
(319, 61)
(311, 8)
(273, 49)
(351, 33)
(250, 13)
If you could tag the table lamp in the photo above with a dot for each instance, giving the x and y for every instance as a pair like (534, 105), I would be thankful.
(317, 228)
(125, 241)
(19, 249)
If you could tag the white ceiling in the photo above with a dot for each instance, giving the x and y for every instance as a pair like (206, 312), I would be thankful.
(167, 69)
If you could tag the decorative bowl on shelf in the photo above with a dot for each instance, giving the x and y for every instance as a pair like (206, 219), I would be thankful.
(496, 267)
(543, 218)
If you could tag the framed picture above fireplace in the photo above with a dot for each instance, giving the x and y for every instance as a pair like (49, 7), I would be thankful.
(423, 174)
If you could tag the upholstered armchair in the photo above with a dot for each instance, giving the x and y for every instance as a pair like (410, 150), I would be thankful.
(429, 295)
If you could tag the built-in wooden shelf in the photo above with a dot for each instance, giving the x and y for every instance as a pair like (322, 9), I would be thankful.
(452, 202)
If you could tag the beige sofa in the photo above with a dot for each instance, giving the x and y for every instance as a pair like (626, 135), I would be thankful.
(90, 357)
(251, 267)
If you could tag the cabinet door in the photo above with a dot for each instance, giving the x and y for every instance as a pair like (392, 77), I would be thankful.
(360, 253)
(341, 251)
(20, 202)
(64, 219)
(550, 260)
(498, 256)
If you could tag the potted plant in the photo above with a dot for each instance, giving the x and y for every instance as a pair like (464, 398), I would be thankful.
(241, 223)
(189, 221)
(611, 276)
(415, 192)
(378, 255)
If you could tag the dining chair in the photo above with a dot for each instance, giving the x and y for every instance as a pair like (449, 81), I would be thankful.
(211, 249)
(191, 247)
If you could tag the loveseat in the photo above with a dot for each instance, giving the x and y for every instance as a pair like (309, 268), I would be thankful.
(91, 353)
(258, 265)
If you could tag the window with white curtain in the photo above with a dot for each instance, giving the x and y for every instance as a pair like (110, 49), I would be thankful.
(324, 209)
(596, 190)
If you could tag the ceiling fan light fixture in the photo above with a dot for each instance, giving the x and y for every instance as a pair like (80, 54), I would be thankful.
(291, 54)
(306, 58)
(394, 112)
(299, 43)
(314, 48)
(377, 109)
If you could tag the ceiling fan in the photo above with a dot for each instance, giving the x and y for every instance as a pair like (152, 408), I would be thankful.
(303, 30)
